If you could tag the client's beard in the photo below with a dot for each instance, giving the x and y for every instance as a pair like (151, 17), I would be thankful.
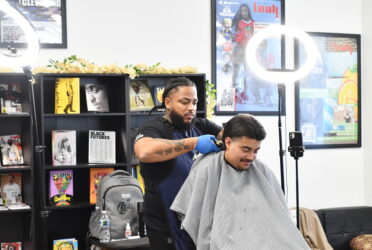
(178, 122)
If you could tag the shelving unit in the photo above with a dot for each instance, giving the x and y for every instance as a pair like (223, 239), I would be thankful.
(72, 221)
(18, 225)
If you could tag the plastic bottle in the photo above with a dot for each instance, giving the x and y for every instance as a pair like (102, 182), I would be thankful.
(128, 231)
(104, 223)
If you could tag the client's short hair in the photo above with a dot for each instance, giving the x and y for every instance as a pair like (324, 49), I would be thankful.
(244, 125)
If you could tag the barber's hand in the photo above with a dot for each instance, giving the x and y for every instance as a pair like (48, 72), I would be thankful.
(206, 144)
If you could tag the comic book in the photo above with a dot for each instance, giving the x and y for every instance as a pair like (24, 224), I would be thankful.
(140, 96)
(67, 96)
(102, 146)
(63, 147)
(11, 150)
(96, 96)
(95, 176)
(11, 245)
(71, 244)
(11, 188)
(10, 98)
(61, 187)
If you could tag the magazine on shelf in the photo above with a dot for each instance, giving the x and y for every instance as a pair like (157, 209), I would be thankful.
(3, 208)
(11, 188)
(102, 146)
(11, 150)
(11, 245)
(67, 96)
(63, 147)
(71, 244)
(140, 96)
(158, 94)
(18, 206)
(95, 176)
(61, 187)
(10, 98)
(96, 96)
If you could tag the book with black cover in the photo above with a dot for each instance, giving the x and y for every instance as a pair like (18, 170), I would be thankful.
(96, 96)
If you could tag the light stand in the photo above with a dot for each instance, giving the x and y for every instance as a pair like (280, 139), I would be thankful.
(296, 149)
(39, 149)
(24, 60)
(281, 89)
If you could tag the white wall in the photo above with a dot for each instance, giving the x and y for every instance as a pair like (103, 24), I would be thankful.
(177, 33)
(366, 97)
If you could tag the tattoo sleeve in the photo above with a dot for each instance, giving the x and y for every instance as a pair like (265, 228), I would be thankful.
(177, 146)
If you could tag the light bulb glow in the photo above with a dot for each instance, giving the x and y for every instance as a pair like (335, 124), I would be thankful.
(30, 55)
(277, 76)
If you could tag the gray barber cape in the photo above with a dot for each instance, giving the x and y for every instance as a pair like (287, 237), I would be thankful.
(224, 208)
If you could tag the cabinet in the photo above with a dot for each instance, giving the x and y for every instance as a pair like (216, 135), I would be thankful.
(18, 225)
(72, 221)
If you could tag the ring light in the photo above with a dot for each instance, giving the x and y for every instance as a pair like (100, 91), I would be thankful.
(281, 76)
(32, 39)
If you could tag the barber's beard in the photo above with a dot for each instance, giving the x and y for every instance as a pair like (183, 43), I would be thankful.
(178, 122)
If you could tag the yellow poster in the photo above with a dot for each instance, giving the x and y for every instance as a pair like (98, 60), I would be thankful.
(67, 96)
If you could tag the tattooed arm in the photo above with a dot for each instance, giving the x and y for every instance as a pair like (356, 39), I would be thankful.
(149, 149)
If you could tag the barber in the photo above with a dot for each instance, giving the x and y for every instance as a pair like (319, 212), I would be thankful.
(166, 147)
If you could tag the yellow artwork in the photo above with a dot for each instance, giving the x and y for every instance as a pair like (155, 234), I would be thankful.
(140, 96)
(67, 96)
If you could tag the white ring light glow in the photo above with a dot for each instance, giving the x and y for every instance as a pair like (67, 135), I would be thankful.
(281, 77)
(30, 55)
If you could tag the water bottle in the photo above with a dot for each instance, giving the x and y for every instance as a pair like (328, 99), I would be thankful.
(128, 231)
(104, 223)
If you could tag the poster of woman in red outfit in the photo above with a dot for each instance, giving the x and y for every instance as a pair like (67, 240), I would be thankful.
(238, 89)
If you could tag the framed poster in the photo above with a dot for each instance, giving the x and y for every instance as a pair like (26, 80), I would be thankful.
(233, 24)
(328, 100)
(48, 17)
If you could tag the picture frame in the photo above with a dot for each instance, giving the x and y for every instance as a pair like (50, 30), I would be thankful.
(327, 101)
(49, 22)
(239, 90)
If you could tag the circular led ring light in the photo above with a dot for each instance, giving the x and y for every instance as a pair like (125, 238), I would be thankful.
(32, 51)
(281, 77)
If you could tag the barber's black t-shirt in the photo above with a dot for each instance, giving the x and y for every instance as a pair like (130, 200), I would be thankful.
(155, 173)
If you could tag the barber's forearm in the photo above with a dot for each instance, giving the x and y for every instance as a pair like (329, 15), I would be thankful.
(158, 150)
